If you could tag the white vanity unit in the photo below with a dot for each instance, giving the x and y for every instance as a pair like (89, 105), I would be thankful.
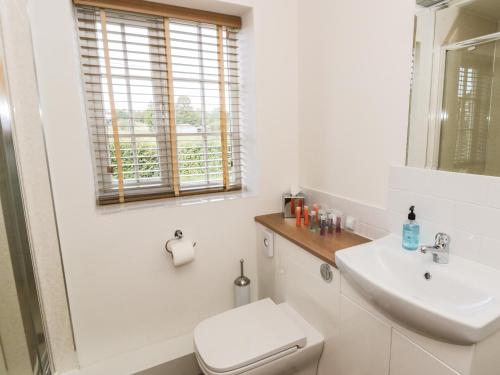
(364, 331)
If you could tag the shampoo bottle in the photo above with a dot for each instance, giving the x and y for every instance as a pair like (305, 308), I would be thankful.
(411, 231)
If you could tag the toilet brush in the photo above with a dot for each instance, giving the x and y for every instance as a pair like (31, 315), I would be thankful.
(241, 288)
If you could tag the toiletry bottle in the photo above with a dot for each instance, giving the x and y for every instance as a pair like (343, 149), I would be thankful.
(323, 223)
(320, 213)
(306, 216)
(338, 222)
(331, 221)
(312, 220)
(316, 217)
(298, 216)
(411, 231)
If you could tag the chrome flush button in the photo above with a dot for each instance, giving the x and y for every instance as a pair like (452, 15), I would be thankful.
(326, 272)
(267, 242)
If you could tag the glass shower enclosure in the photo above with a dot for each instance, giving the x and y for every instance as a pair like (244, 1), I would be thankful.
(23, 345)
(470, 117)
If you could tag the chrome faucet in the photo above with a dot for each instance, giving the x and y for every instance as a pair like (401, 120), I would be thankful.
(440, 250)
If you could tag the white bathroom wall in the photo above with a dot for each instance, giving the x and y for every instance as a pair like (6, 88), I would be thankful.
(354, 87)
(123, 290)
(465, 206)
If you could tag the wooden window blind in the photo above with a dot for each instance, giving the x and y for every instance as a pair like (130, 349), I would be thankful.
(162, 98)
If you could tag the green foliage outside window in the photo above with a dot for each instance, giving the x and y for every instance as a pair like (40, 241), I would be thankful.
(145, 163)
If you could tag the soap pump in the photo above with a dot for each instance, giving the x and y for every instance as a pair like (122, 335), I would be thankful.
(241, 288)
(411, 231)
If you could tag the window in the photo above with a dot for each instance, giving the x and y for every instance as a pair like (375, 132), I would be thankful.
(162, 94)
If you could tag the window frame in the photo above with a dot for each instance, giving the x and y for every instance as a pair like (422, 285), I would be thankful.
(224, 25)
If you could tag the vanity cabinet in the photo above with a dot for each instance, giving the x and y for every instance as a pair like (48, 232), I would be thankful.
(359, 340)
(368, 345)
(363, 345)
(356, 342)
(408, 358)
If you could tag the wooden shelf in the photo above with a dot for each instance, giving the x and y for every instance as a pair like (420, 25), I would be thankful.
(324, 247)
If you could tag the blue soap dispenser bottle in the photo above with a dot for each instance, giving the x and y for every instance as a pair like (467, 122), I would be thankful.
(411, 231)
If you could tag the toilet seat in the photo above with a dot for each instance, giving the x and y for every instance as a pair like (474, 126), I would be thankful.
(246, 337)
(246, 368)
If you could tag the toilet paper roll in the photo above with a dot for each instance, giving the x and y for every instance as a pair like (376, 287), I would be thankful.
(182, 252)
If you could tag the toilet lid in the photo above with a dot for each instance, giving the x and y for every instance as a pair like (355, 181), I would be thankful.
(245, 335)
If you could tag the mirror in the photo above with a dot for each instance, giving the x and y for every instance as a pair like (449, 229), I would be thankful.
(454, 122)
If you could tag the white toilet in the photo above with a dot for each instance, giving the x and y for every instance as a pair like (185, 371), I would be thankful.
(260, 338)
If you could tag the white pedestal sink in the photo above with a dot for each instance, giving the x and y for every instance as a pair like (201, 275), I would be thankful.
(457, 302)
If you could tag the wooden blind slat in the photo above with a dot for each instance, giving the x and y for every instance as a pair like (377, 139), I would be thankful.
(171, 110)
(114, 120)
(223, 115)
(164, 10)
(139, 157)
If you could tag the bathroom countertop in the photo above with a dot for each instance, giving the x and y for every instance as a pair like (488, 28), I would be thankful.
(324, 247)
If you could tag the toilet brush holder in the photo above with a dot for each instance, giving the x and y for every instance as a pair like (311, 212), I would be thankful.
(241, 288)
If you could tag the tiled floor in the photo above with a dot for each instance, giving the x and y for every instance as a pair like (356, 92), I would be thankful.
(182, 366)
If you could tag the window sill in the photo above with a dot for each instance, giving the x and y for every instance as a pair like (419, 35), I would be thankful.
(177, 202)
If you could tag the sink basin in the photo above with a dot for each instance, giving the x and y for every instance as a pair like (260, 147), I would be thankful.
(457, 302)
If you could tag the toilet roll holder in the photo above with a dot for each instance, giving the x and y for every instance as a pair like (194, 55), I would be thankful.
(177, 236)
